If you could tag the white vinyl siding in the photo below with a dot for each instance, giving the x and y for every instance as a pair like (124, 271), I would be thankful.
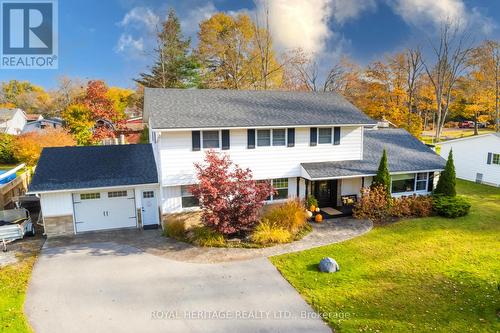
(177, 158)
(172, 196)
(470, 156)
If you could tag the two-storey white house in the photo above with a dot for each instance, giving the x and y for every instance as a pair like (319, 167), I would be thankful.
(304, 143)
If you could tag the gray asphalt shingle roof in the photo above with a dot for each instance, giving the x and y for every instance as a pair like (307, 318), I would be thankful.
(65, 168)
(404, 153)
(206, 108)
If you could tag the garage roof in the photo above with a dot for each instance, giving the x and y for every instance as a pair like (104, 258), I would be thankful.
(404, 153)
(213, 108)
(69, 168)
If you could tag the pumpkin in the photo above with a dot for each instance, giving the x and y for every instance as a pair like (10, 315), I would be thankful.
(309, 214)
(318, 218)
(312, 208)
(318, 210)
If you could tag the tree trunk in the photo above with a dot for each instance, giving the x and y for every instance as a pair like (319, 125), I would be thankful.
(475, 124)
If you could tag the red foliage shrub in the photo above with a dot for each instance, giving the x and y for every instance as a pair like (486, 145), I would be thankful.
(229, 197)
(373, 204)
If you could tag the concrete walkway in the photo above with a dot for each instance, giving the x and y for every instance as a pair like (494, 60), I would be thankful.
(110, 287)
(151, 241)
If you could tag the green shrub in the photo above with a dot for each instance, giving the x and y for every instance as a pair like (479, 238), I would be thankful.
(289, 216)
(175, 228)
(311, 201)
(383, 177)
(447, 179)
(6, 153)
(266, 234)
(449, 206)
(204, 236)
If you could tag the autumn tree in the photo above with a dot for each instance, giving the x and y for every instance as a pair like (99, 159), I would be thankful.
(24, 95)
(121, 98)
(174, 65)
(485, 61)
(68, 90)
(28, 147)
(93, 117)
(451, 54)
(230, 199)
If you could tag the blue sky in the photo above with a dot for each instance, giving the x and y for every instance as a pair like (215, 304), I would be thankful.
(112, 39)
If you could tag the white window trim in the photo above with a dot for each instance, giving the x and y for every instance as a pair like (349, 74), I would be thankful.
(415, 191)
(187, 196)
(493, 158)
(220, 140)
(331, 136)
(272, 200)
(271, 130)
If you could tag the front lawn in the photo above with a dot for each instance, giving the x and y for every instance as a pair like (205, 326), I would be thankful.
(14, 280)
(422, 275)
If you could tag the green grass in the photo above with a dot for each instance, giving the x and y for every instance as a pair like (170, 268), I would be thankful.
(13, 283)
(421, 275)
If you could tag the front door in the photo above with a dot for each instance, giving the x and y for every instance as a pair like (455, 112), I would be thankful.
(149, 209)
(325, 192)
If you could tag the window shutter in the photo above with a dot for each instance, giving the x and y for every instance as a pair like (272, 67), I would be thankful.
(291, 137)
(225, 140)
(490, 157)
(313, 136)
(251, 139)
(196, 140)
(336, 135)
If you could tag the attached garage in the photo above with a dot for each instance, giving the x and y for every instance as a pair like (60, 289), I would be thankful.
(97, 188)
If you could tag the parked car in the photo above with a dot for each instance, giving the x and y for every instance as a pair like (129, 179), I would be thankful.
(466, 124)
(482, 125)
(15, 224)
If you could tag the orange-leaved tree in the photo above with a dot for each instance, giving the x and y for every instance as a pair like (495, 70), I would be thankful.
(28, 147)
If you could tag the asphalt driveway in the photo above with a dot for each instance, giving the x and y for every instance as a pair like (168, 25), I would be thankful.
(108, 287)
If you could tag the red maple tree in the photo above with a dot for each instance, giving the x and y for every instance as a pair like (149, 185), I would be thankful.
(102, 110)
(228, 195)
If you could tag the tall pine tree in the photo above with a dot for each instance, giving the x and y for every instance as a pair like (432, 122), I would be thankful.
(383, 178)
(174, 66)
(447, 179)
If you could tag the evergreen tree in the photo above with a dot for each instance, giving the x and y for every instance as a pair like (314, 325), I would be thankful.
(383, 177)
(447, 179)
(174, 66)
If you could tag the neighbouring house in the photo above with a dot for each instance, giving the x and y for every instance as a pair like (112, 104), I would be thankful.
(12, 121)
(96, 188)
(303, 143)
(132, 129)
(477, 158)
(33, 117)
(41, 124)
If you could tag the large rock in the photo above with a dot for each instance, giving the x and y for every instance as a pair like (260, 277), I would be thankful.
(328, 265)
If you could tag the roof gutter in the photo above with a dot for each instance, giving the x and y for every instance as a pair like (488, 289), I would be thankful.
(370, 175)
(262, 126)
(92, 188)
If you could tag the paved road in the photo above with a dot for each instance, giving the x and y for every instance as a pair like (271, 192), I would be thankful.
(107, 287)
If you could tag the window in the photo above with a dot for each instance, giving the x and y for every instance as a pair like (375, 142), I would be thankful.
(210, 139)
(281, 187)
(90, 196)
(148, 194)
(188, 200)
(421, 181)
(279, 137)
(116, 194)
(324, 135)
(403, 183)
(496, 159)
(263, 138)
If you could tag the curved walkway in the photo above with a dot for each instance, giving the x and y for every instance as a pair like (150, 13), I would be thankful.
(151, 241)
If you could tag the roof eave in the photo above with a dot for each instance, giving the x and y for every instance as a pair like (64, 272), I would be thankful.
(91, 188)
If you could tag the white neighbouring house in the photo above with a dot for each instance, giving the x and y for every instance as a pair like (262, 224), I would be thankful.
(304, 143)
(477, 158)
(12, 121)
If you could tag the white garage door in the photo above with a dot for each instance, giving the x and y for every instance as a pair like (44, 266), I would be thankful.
(104, 210)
